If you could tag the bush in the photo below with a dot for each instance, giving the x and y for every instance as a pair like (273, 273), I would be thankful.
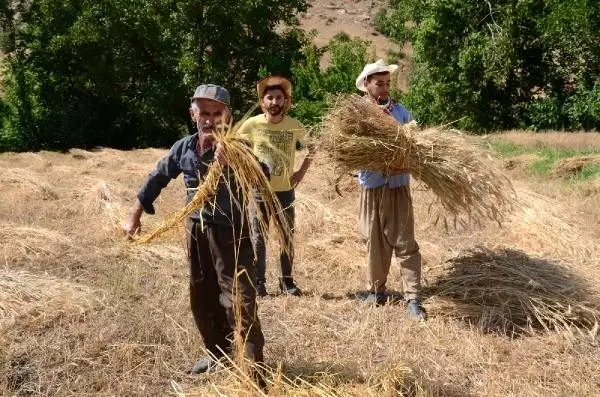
(500, 65)
(119, 73)
(315, 89)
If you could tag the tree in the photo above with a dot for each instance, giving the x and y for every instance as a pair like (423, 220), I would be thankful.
(314, 88)
(120, 72)
(503, 64)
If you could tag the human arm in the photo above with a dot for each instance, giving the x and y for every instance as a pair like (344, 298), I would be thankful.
(299, 175)
(302, 137)
(166, 169)
(133, 224)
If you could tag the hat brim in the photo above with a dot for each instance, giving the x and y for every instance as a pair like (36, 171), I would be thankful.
(192, 99)
(271, 81)
(360, 80)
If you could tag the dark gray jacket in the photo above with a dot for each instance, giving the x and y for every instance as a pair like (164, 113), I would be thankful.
(224, 209)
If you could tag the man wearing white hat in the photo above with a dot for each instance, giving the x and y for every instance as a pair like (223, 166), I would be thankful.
(386, 218)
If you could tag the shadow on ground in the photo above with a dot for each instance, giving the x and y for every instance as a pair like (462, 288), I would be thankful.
(392, 297)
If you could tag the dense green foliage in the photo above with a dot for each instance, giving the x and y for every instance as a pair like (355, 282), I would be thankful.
(119, 72)
(315, 88)
(503, 64)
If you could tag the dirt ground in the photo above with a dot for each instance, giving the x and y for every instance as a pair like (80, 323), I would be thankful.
(355, 18)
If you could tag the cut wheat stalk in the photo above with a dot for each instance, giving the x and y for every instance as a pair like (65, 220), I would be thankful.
(359, 136)
(250, 178)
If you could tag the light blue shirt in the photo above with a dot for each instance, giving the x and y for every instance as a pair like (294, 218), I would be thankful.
(374, 179)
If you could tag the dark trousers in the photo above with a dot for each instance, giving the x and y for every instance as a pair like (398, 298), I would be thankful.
(213, 254)
(286, 260)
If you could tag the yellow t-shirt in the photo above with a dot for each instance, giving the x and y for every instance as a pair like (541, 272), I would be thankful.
(275, 145)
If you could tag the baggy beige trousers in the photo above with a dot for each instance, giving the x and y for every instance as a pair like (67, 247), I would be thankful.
(387, 222)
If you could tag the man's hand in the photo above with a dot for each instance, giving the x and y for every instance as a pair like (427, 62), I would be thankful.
(132, 225)
(297, 178)
(220, 155)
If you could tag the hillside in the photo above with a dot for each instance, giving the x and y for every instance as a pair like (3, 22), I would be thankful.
(355, 18)
(84, 312)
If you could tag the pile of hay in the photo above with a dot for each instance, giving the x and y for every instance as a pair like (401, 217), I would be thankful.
(20, 242)
(31, 297)
(359, 136)
(571, 166)
(509, 292)
(30, 181)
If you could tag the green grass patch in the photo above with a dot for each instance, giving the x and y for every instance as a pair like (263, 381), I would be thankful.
(547, 157)
(507, 149)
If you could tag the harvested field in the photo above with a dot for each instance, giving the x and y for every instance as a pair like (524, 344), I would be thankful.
(512, 309)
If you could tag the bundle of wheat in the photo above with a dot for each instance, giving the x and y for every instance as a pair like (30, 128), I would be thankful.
(249, 177)
(508, 291)
(359, 136)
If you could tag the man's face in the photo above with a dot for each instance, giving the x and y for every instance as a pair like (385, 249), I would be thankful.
(208, 115)
(273, 102)
(378, 86)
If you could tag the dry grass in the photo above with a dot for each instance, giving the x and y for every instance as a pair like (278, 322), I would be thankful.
(141, 339)
(30, 182)
(533, 140)
(358, 136)
(393, 380)
(546, 227)
(36, 298)
(26, 241)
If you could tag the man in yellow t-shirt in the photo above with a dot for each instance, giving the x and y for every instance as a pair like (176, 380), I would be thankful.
(274, 136)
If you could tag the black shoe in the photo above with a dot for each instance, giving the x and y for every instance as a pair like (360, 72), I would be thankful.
(204, 365)
(377, 298)
(261, 289)
(415, 310)
(288, 287)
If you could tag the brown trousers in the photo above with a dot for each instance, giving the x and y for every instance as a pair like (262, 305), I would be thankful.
(386, 222)
(215, 255)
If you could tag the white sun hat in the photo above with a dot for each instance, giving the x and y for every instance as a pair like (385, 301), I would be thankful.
(372, 68)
